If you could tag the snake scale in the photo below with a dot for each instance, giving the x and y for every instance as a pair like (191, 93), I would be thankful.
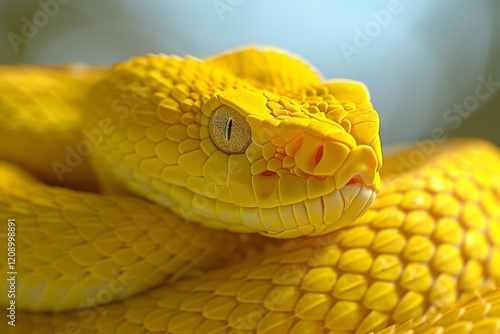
(235, 194)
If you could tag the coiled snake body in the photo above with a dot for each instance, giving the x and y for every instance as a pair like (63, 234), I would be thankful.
(236, 194)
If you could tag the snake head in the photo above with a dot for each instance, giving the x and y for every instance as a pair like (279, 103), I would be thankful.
(296, 167)
(252, 141)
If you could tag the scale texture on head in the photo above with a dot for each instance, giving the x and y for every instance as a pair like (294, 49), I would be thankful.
(248, 141)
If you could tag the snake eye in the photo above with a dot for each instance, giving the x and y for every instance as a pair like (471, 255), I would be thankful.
(229, 130)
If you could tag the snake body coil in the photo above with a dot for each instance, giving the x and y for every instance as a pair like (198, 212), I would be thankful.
(167, 195)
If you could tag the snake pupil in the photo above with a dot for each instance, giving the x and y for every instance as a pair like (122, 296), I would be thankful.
(229, 126)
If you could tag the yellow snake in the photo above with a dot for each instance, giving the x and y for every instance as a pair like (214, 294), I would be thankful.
(234, 194)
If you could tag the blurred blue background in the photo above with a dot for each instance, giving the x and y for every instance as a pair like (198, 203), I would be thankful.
(420, 59)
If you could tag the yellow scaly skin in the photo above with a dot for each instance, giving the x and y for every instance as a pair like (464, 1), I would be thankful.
(428, 250)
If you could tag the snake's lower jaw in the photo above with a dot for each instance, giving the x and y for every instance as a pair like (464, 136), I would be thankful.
(330, 212)
(357, 198)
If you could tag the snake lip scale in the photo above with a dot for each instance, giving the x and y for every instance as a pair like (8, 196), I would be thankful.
(240, 193)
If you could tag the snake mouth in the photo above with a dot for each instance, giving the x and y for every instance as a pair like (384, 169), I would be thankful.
(358, 180)
(355, 180)
(324, 214)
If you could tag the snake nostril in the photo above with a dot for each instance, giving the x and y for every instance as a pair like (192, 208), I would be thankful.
(319, 154)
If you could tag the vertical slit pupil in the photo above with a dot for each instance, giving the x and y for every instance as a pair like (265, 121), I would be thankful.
(229, 127)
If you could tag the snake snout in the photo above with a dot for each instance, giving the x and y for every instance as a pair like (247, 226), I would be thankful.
(361, 166)
(323, 158)
(316, 156)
